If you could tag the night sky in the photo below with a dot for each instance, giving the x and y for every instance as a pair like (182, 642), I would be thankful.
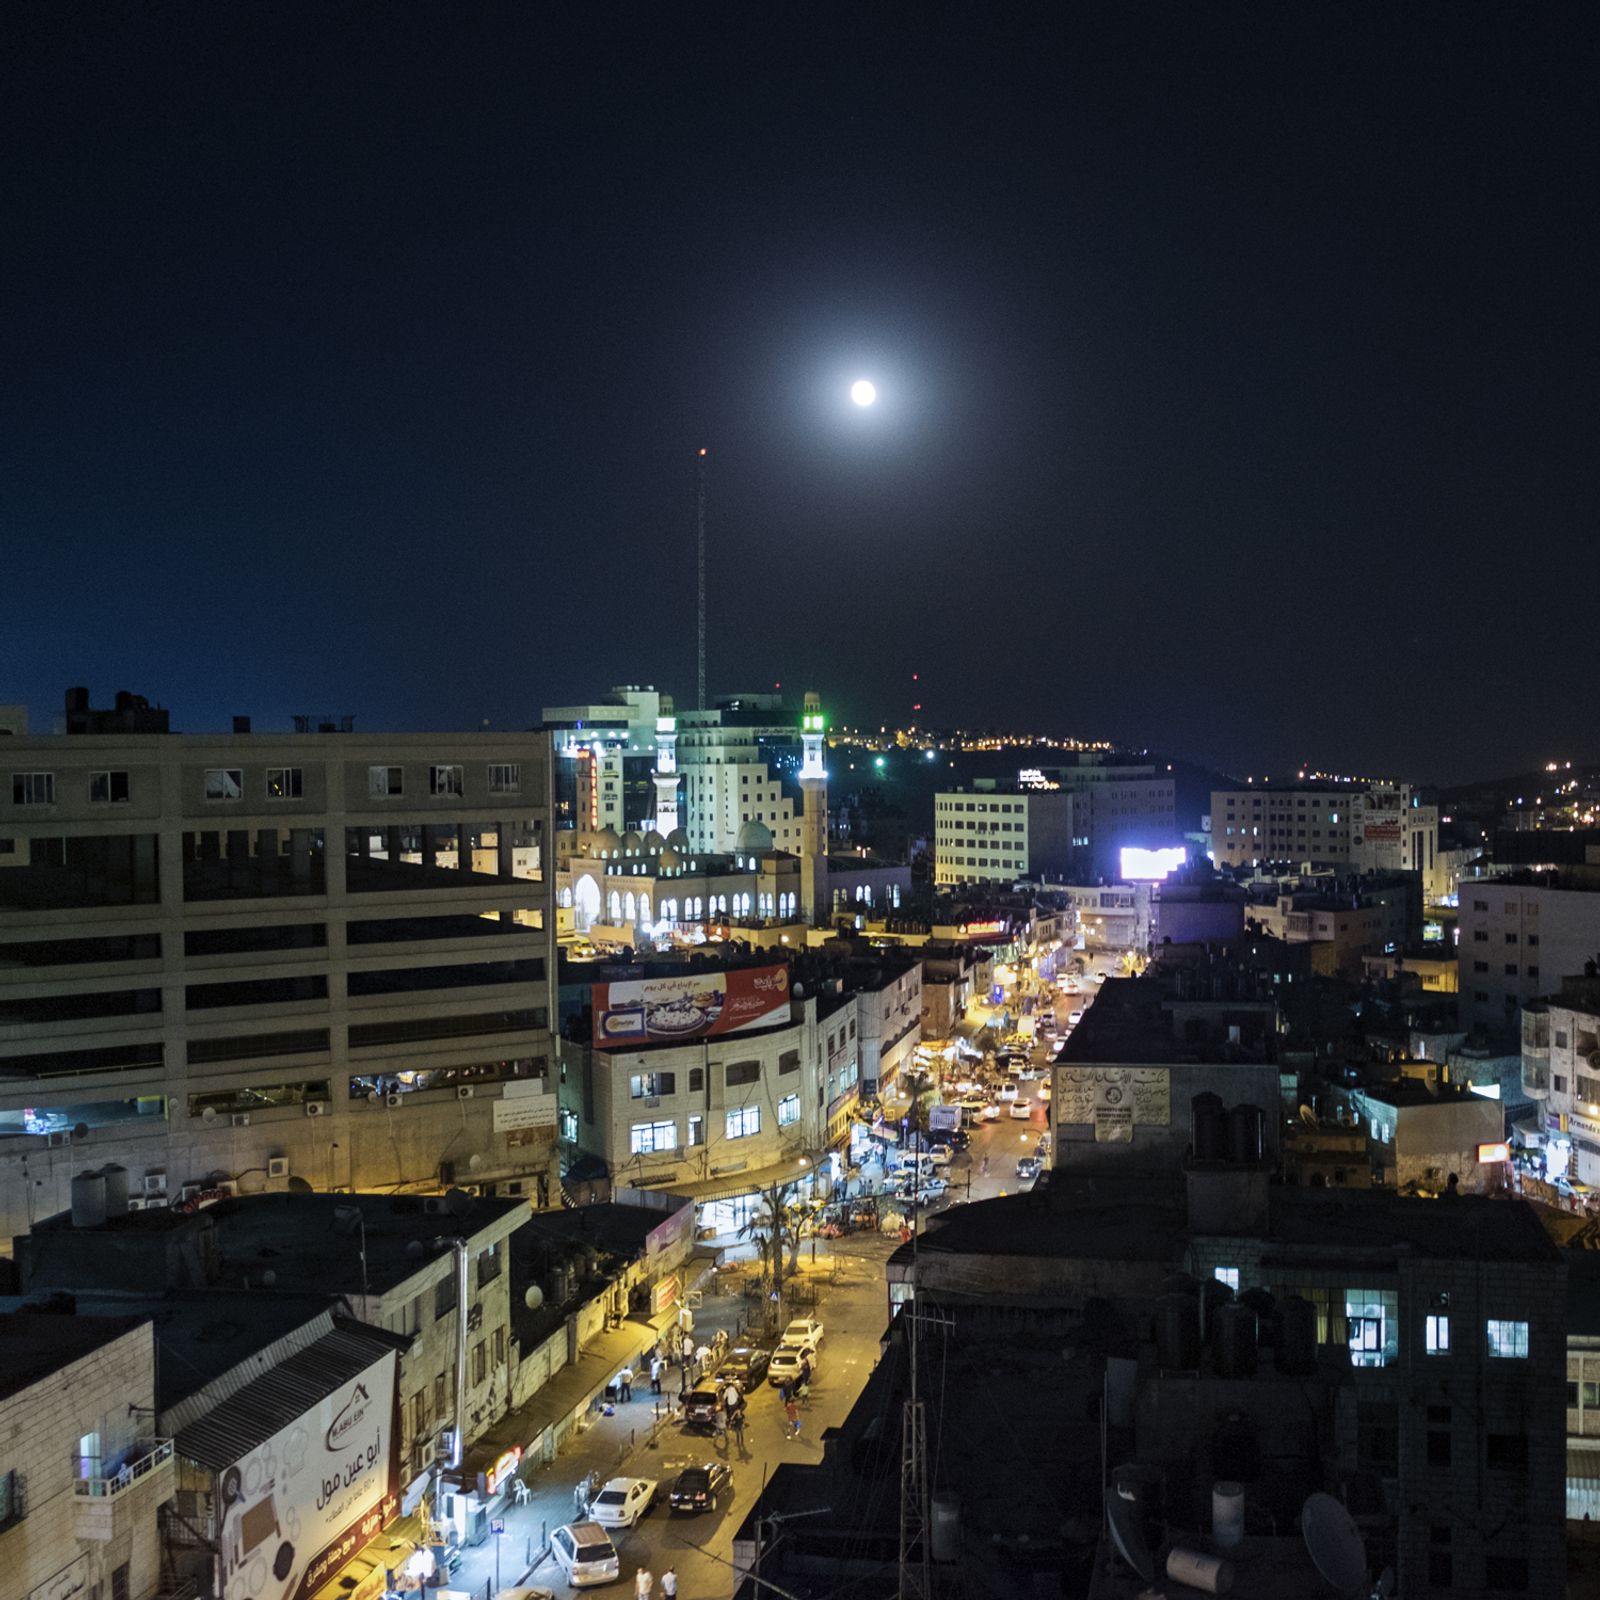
(1238, 366)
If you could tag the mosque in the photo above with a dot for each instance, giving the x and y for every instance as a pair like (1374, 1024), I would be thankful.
(653, 883)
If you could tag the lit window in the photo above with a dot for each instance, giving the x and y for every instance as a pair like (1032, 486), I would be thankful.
(697, 1130)
(1227, 1275)
(569, 1125)
(788, 1110)
(650, 1137)
(1508, 1339)
(1372, 1316)
(743, 1122)
(284, 783)
(1436, 1338)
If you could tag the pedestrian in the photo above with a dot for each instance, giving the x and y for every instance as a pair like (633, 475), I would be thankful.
(625, 1383)
(719, 1426)
(643, 1582)
(792, 1412)
(702, 1358)
(669, 1585)
(655, 1374)
(738, 1429)
(733, 1398)
(805, 1371)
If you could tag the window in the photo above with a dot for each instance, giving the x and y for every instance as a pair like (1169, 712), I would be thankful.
(441, 1393)
(788, 1110)
(480, 1363)
(1372, 1315)
(505, 777)
(697, 1130)
(224, 783)
(1533, 938)
(1508, 1339)
(1480, 937)
(108, 788)
(488, 1266)
(1436, 1334)
(743, 1122)
(1511, 938)
(1507, 1452)
(285, 783)
(383, 782)
(737, 1073)
(444, 1294)
(569, 1124)
(788, 1062)
(33, 788)
(119, 1582)
(650, 1138)
(650, 1085)
(499, 1357)
(1227, 1275)
(697, 1080)
(1438, 1436)
(444, 780)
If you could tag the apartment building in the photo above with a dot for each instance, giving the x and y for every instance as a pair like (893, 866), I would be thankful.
(1281, 822)
(1561, 1074)
(1000, 836)
(229, 960)
(1519, 935)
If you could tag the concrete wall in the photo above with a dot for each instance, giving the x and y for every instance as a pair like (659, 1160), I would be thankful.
(1544, 934)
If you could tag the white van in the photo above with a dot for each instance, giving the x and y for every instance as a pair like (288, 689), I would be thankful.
(919, 1161)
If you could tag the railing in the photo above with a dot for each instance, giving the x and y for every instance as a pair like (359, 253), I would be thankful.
(127, 1475)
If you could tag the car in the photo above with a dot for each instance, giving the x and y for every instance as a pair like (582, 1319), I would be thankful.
(1008, 1093)
(958, 1139)
(929, 1193)
(1075, 1018)
(1028, 1168)
(1045, 1092)
(803, 1330)
(745, 1365)
(622, 1501)
(700, 1487)
(1021, 1110)
(990, 1113)
(972, 1102)
(942, 1155)
(701, 1405)
(585, 1553)
(786, 1360)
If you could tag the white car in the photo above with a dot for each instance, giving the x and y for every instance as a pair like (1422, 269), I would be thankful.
(1021, 1110)
(942, 1155)
(1009, 1092)
(929, 1192)
(785, 1364)
(1044, 1093)
(989, 1113)
(1075, 1019)
(803, 1330)
(584, 1551)
(622, 1501)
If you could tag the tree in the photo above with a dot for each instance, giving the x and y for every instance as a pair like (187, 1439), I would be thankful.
(775, 1227)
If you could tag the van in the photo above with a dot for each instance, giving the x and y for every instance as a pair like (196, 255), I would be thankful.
(920, 1162)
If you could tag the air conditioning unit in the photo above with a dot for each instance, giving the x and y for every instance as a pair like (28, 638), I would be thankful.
(316, 1108)
(240, 1119)
(63, 1137)
(391, 1099)
(136, 1202)
(463, 1091)
(277, 1166)
(433, 1206)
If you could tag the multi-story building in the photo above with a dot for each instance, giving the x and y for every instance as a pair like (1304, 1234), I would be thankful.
(1371, 827)
(1393, 829)
(228, 960)
(1375, 917)
(81, 1475)
(1561, 1075)
(1112, 916)
(1519, 935)
(605, 758)
(1002, 835)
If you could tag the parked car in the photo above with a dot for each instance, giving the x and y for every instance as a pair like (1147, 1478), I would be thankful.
(1075, 1018)
(745, 1365)
(701, 1406)
(1009, 1094)
(585, 1553)
(930, 1192)
(1021, 1110)
(622, 1501)
(803, 1330)
(1045, 1093)
(699, 1487)
(1028, 1168)
(786, 1359)
(942, 1155)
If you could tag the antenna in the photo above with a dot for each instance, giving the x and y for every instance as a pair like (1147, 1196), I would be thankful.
(1335, 1544)
(700, 578)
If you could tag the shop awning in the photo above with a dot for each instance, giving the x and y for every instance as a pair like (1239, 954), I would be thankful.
(720, 1185)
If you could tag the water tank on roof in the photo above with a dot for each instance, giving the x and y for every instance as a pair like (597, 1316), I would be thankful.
(1177, 1333)
(1233, 1341)
(88, 1199)
(116, 1189)
(1210, 1128)
(1214, 1294)
(1247, 1134)
(946, 1509)
(1297, 1337)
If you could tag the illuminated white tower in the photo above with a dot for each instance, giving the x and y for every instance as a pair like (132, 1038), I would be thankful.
(814, 904)
(666, 774)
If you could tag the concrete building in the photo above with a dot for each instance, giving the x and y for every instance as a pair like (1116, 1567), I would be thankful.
(228, 960)
(1393, 829)
(1281, 822)
(1375, 916)
(1002, 836)
(1112, 916)
(1420, 1135)
(1519, 935)
(83, 1472)
(1561, 1075)
(606, 758)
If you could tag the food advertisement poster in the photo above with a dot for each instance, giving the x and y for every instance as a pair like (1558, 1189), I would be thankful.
(299, 1505)
(698, 1005)
(1115, 1100)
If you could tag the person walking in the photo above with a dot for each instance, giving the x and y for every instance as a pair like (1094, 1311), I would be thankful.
(719, 1427)
(655, 1373)
(625, 1383)
(733, 1398)
(643, 1582)
(737, 1424)
(669, 1585)
(792, 1412)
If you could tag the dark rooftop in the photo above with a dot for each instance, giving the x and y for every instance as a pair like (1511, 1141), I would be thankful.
(1129, 1021)
(1470, 1227)
(35, 1344)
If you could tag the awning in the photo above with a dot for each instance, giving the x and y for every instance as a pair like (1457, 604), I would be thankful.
(720, 1185)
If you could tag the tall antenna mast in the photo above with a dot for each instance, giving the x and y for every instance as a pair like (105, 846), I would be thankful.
(700, 573)
(915, 1579)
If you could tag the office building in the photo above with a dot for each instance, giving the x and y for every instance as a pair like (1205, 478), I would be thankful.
(1001, 836)
(1519, 935)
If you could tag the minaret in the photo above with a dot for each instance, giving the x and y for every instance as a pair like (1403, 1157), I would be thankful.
(814, 898)
(665, 776)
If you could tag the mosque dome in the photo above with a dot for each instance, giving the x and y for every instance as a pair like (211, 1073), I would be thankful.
(654, 844)
(632, 844)
(678, 840)
(753, 837)
(670, 860)
(608, 842)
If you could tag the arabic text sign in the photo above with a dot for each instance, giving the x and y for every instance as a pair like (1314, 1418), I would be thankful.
(697, 1005)
(1115, 1100)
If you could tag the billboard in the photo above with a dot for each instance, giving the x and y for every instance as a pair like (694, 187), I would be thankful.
(1151, 866)
(1114, 1100)
(295, 1508)
(698, 1005)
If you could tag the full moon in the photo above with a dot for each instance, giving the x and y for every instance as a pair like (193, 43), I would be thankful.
(863, 392)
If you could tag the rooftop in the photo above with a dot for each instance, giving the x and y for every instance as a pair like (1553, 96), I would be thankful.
(33, 1345)
(1131, 1021)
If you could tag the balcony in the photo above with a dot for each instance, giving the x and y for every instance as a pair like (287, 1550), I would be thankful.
(1535, 1079)
(104, 1508)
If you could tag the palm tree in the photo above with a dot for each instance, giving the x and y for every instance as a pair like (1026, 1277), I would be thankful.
(775, 1226)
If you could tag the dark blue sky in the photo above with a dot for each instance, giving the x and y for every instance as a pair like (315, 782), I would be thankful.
(1238, 365)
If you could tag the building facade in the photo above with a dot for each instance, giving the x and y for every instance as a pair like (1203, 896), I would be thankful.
(1002, 836)
(237, 959)
(1519, 936)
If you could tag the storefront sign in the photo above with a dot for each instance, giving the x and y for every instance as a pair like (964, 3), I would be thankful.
(1115, 1100)
(502, 1470)
(526, 1111)
(696, 1006)
(299, 1505)
(1494, 1152)
(982, 930)
(664, 1294)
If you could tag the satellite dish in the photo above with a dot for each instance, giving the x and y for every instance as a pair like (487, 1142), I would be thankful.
(534, 1298)
(1334, 1541)
(475, 1162)
(457, 1202)
(209, 1114)
(415, 1249)
(1124, 1514)
(300, 1186)
(80, 1130)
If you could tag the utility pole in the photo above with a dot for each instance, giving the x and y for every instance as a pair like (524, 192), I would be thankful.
(700, 572)
(915, 1577)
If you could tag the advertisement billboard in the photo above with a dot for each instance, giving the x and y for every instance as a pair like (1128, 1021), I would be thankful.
(697, 1005)
(294, 1509)
(1151, 866)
